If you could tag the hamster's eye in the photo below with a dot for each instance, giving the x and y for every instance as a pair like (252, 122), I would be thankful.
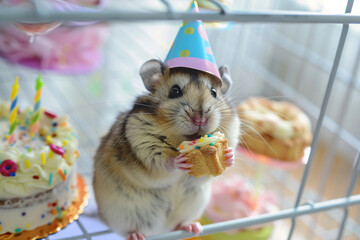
(213, 92)
(175, 92)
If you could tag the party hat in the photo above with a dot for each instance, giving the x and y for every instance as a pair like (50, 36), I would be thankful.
(191, 48)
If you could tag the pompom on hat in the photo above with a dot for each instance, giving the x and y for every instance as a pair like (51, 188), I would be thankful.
(191, 48)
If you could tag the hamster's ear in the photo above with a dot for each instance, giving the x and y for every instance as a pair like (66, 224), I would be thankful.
(152, 72)
(226, 78)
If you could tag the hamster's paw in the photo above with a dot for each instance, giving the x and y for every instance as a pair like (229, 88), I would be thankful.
(180, 163)
(135, 236)
(229, 155)
(194, 227)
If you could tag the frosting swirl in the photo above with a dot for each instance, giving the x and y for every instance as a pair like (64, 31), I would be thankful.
(209, 139)
(39, 167)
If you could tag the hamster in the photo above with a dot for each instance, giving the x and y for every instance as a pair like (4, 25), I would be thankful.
(140, 180)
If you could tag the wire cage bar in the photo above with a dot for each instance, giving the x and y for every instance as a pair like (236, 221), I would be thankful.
(41, 13)
(324, 105)
(350, 190)
(282, 214)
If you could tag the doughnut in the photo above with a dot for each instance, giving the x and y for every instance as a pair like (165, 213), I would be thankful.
(276, 129)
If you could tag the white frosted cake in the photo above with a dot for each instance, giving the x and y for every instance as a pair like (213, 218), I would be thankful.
(37, 174)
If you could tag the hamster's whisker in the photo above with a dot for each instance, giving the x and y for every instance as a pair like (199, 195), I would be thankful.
(167, 128)
(227, 113)
(118, 140)
(141, 113)
(131, 153)
(242, 89)
(145, 105)
(262, 138)
(227, 97)
(222, 100)
(153, 97)
(255, 113)
(244, 143)
(227, 110)
(223, 129)
(247, 123)
(221, 103)
(280, 97)
(145, 113)
(251, 128)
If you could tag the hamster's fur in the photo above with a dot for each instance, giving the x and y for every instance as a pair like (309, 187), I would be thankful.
(137, 187)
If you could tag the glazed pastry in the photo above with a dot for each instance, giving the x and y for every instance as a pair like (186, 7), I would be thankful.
(278, 130)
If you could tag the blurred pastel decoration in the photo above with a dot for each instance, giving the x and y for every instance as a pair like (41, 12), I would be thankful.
(207, 6)
(67, 48)
(191, 48)
(13, 111)
(34, 123)
(234, 197)
(33, 29)
(76, 6)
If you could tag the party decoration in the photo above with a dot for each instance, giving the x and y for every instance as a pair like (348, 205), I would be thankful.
(191, 48)
(13, 111)
(36, 113)
(8, 168)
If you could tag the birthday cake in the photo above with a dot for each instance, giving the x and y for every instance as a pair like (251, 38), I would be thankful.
(206, 154)
(38, 181)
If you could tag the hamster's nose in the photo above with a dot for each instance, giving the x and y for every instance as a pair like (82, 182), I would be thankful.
(198, 120)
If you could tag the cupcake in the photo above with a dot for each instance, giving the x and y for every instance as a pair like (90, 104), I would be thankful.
(206, 154)
(233, 197)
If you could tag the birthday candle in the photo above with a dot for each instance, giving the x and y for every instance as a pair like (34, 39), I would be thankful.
(13, 110)
(34, 123)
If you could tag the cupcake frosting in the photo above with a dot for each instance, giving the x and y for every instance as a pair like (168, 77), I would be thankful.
(35, 164)
(209, 139)
(234, 197)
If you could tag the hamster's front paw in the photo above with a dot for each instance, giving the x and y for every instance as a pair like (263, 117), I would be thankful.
(180, 163)
(135, 236)
(194, 227)
(229, 155)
